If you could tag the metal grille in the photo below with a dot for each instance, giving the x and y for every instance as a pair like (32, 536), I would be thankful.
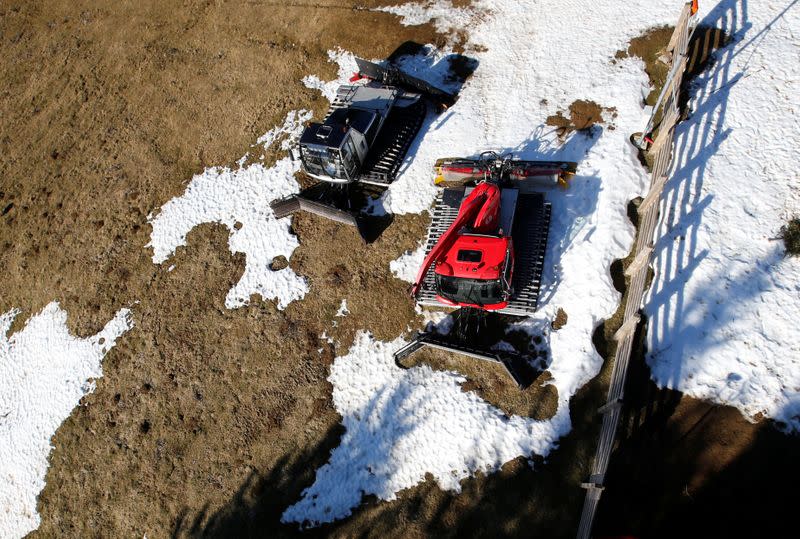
(392, 143)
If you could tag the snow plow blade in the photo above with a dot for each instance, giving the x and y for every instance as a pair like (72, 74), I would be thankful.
(516, 365)
(319, 199)
(330, 202)
(392, 76)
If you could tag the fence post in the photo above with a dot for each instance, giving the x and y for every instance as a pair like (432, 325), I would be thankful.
(638, 269)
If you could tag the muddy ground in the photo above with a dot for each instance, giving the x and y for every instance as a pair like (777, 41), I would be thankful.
(208, 421)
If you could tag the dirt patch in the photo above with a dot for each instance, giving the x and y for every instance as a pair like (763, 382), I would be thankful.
(339, 265)
(649, 47)
(560, 320)
(583, 115)
(278, 263)
(493, 384)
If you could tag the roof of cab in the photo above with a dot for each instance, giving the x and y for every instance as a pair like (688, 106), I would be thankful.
(332, 132)
(492, 251)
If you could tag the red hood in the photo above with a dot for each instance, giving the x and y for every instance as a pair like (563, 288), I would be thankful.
(474, 257)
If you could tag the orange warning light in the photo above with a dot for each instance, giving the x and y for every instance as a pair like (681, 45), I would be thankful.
(695, 6)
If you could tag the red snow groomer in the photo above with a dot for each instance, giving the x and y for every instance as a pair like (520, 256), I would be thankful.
(485, 251)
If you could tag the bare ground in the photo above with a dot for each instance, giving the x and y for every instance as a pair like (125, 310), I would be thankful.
(108, 110)
(209, 422)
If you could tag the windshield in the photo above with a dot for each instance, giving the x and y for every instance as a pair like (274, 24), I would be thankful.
(322, 161)
(473, 291)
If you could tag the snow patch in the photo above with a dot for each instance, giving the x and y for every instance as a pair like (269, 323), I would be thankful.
(408, 264)
(44, 373)
(347, 66)
(343, 310)
(402, 424)
(724, 306)
(239, 198)
(442, 13)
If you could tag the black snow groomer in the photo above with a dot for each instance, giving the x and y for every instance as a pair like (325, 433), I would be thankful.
(361, 142)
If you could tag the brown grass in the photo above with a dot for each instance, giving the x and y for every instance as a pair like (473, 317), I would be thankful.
(583, 115)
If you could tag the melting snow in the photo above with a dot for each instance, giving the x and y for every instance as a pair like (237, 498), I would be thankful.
(44, 372)
(347, 66)
(239, 198)
(442, 12)
(725, 303)
(402, 424)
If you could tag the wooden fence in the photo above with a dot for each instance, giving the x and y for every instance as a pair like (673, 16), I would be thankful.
(636, 273)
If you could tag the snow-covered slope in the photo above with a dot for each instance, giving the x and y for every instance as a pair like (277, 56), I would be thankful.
(725, 304)
(44, 372)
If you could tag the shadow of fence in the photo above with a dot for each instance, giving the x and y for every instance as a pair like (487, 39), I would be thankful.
(676, 254)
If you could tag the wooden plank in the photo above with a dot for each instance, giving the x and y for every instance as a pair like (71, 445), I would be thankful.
(652, 199)
(642, 259)
(647, 231)
(683, 22)
(627, 328)
(667, 125)
(636, 294)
